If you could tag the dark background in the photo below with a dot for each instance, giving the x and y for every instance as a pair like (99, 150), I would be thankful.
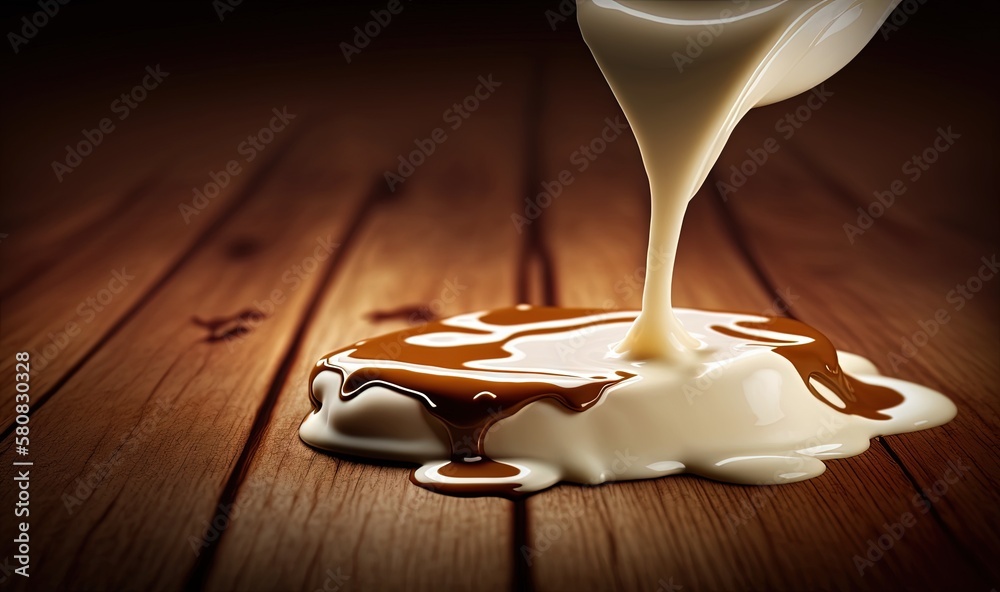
(89, 50)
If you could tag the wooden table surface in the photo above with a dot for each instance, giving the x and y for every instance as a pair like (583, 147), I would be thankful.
(170, 356)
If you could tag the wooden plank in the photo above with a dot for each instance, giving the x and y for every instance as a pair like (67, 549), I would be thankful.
(100, 273)
(687, 531)
(34, 244)
(137, 446)
(445, 246)
(48, 217)
(881, 294)
(50, 208)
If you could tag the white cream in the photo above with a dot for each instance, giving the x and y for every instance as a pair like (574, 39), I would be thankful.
(699, 400)
(736, 412)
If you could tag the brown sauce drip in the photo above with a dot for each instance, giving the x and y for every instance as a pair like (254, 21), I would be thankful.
(485, 468)
(468, 405)
(507, 490)
(817, 360)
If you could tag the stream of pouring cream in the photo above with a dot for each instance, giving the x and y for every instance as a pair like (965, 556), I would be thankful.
(685, 73)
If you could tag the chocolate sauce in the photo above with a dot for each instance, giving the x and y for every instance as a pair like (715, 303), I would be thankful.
(457, 383)
(817, 360)
(507, 490)
(483, 468)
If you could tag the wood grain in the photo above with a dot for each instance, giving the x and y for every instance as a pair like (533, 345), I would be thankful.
(103, 272)
(169, 404)
(443, 245)
(46, 218)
